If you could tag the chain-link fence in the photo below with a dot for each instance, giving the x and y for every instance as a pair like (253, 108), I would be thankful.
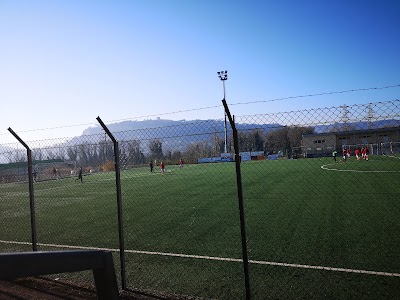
(320, 192)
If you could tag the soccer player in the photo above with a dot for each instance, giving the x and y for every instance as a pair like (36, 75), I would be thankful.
(365, 153)
(180, 163)
(162, 167)
(357, 153)
(151, 167)
(334, 155)
(344, 155)
(80, 177)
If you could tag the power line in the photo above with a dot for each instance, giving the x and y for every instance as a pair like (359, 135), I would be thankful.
(319, 94)
(218, 106)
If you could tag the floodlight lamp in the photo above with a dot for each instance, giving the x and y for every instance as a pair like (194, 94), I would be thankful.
(223, 75)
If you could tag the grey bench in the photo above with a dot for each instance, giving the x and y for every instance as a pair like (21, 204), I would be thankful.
(27, 264)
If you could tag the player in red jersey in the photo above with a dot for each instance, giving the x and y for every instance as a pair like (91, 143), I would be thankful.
(357, 153)
(366, 151)
(348, 153)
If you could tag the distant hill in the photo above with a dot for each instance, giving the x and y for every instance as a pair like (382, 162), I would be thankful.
(136, 125)
(195, 126)
(364, 125)
(178, 134)
(174, 134)
(162, 128)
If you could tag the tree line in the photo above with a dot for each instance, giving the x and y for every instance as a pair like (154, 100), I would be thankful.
(139, 152)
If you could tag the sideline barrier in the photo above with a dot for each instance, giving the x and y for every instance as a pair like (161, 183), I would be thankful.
(26, 264)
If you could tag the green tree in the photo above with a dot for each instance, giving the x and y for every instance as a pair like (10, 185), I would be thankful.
(198, 150)
(155, 147)
(286, 138)
(133, 152)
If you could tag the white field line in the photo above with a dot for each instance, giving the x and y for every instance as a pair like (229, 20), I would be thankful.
(326, 167)
(122, 177)
(37, 190)
(7, 195)
(258, 262)
(391, 156)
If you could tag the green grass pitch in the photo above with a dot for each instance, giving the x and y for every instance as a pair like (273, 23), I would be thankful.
(181, 228)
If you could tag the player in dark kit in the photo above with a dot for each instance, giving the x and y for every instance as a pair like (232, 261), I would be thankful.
(334, 154)
(80, 175)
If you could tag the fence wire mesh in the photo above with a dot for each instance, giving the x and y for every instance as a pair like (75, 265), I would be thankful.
(321, 190)
(322, 211)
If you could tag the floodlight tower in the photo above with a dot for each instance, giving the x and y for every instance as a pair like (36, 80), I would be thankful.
(223, 75)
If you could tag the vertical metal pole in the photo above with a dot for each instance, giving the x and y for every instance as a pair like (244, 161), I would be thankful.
(226, 136)
(241, 206)
(31, 191)
(223, 86)
(119, 204)
(225, 127)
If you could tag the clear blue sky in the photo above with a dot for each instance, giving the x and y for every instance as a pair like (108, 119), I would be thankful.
(66, 62)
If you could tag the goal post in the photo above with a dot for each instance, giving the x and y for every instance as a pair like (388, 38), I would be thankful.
(389, 148)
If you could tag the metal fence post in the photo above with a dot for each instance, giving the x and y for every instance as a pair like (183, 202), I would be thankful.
(119, 203)
(240, 198)
(31, 192)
